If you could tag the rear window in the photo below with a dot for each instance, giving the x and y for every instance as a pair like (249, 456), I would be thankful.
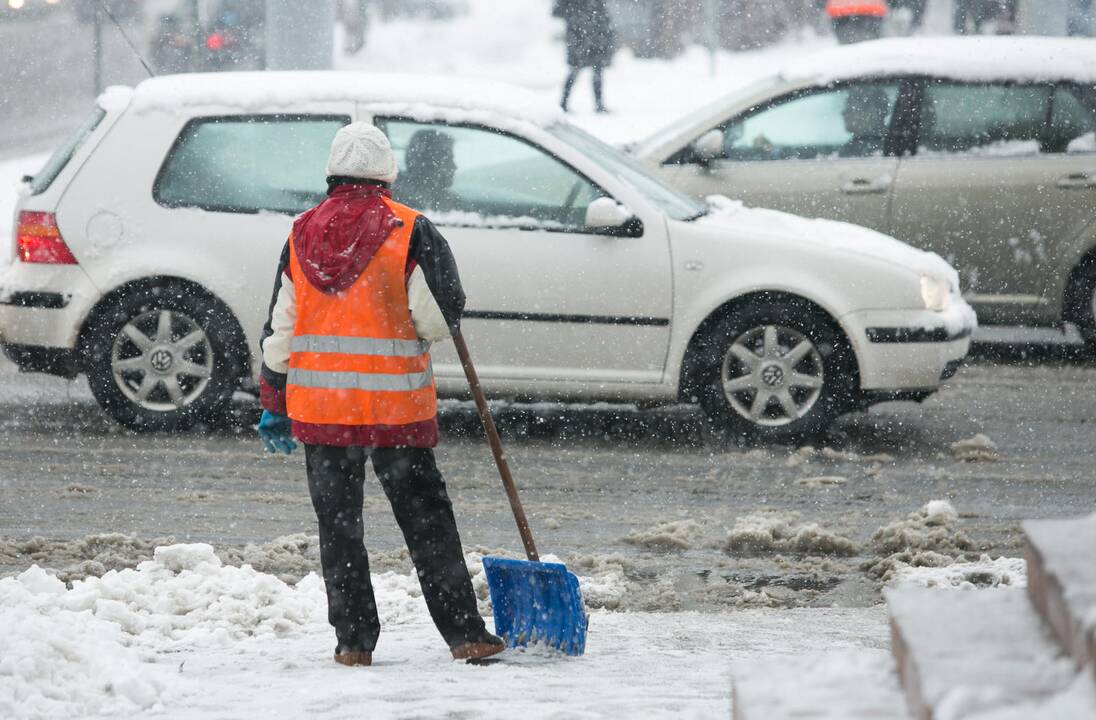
(61, 156)
(249, 164)
(986, 120)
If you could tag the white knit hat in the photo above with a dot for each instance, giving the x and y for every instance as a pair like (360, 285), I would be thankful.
(360, 150)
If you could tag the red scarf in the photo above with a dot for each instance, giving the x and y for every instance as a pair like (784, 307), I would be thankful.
(336, 239)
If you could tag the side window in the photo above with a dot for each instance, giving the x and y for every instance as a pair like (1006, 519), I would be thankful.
(983, 120)
(849, 121)
(463, 175)
(1073, 121)
(249, 163)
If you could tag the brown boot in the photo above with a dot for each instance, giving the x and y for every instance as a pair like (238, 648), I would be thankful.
(353, 659)
(486, 647)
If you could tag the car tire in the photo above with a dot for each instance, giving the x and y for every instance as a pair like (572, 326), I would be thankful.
(1082, 303)
(775, 372)
(160, 358)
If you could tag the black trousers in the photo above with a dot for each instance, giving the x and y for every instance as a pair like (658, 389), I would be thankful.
(415, 489)
(569, 85)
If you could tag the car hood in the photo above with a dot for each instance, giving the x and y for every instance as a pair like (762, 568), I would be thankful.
(839, 236)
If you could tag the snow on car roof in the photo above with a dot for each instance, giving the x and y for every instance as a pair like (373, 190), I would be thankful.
(412, 95)
(986, 58)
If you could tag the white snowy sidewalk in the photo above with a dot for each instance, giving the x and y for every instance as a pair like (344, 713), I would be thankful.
(183, 636)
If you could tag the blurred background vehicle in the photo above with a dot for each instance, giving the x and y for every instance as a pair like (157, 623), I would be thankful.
(983, 150)
(210, 35)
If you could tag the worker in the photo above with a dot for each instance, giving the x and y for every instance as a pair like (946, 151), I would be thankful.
(856, 20)
(364, 285)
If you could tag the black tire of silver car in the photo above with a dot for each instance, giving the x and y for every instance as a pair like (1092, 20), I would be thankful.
(776, 371)
(1081, 303)
(160, 358)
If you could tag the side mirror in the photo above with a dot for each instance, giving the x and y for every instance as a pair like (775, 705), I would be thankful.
(27, 179)
(612, 218)
(605, 213)
(709, 147)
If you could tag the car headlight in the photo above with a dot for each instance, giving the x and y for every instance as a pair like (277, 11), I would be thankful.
(936, 293)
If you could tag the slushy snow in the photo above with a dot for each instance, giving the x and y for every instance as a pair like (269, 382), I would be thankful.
(929, 537)
(185, 636)
(780, 531)
(976, 449)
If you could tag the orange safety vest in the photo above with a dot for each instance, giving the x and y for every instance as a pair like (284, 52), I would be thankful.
(355, 358)
(848, 8)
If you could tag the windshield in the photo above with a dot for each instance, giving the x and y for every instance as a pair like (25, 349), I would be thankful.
(718, 107)
(672, 202)
(60, 157)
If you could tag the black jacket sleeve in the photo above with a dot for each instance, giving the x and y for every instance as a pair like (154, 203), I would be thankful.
(429, 251)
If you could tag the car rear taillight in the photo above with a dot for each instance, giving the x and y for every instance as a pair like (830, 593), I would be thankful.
(39, 240)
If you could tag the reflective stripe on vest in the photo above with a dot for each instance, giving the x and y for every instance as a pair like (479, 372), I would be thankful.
(376, 382)
(385, 347)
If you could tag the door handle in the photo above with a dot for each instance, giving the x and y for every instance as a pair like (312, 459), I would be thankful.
(1078, 181)
(867, 186)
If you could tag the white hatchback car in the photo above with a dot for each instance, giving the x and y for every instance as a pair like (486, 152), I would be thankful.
(146, 247)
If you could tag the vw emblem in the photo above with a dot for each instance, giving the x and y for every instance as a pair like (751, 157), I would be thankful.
(772, 375)
(161, 360)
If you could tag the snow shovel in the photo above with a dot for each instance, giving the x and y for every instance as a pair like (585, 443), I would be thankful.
(534, 602)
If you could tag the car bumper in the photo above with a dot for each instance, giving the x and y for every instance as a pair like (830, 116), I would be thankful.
(44, 306)
(909, 352)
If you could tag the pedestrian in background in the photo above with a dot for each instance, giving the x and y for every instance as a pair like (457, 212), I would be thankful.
(856, 20)
(917, 12)
(364, 285)
(590, 43)
(980, 12)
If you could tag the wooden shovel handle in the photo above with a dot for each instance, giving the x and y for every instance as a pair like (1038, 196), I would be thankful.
(496, 447)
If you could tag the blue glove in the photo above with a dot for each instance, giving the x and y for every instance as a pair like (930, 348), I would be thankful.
(274, 432)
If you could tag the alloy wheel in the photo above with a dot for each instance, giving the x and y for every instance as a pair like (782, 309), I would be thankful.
(772, 375)
(162, 360)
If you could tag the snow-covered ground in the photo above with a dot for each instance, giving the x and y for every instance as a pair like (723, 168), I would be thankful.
(184, 636)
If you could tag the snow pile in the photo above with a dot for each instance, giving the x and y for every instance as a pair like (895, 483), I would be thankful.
(85, 649)
(976, 449)
(778, 531)
(603, 579)
(982, 573)
(68, 662)
(925, 538)
(674, 535)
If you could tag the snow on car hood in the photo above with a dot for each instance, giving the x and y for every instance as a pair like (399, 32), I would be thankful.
(841, 236)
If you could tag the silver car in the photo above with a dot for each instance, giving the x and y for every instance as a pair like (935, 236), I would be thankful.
(980, 149)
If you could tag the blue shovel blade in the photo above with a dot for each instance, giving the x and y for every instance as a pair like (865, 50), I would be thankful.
(536, 603)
